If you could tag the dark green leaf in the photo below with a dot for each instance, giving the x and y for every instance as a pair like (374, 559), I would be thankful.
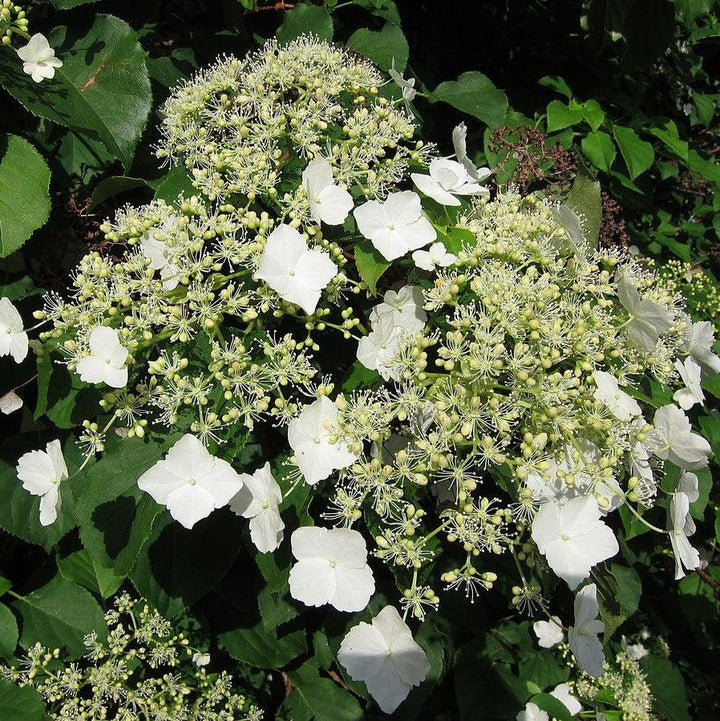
(175, 184)
(593, 114)
(370, 264)
(584, 199)
(638, 154)
(110, 187)
(62, 396)
(305, 18)
(8, 632)
(599, 149)
(80, 567)
(20, 704)
(560, 115)
(475, 94)
(318, 698)
(668, 688)
(629, 588)
(382, 46)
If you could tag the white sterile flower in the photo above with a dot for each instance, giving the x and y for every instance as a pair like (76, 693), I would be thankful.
(310, 435)
(41, 473)
(106, 362)
(436, 256)
(377, 349)
(532, 712)
(258, 500)
(201, 659)
(331, 568)
(687, 397)
(396, 225)
(572, 537)
(38, 58)
(689, 485)
(549, 633)
(385, 656)
(10, 402)
(607, 391)
(647, 319)
(672, 439)
(634, 651)
(295, 272)
(13, 339)
(156, 252)
(406, 85)
(404, 307)
(681, 525)
(562, 693)
(190, 482)
(329, 203)
(459, 140)
(583, 636)
(447, 179)
(698, 342)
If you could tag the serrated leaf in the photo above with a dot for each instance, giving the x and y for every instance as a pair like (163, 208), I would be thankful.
(305, 18)
(585, 200)
(80, 567)
(24, 192)
(382, 46)
(60, 615)
(20, 704)
(599, 149)
(561, 115)
(110, 187)
(318, 698)
(370, 265)
(638, 154)
(102, 90)
(175, 184)
(8, 632)
(475, 94)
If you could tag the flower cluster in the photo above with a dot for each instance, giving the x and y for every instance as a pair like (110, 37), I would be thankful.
(144, 669)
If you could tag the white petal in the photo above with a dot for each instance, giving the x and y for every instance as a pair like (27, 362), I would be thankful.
(190, 504)
(50, 505)
(266, 530)
(335, 205)
(353, 588)
(10, 402)
(312, 581)
(362, 651)
(433, 189)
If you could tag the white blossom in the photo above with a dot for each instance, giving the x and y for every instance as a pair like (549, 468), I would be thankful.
(201, 659)
(310, 435)
(672, 439)
(459, 140)
(106, 362)
(396, 225)
(377, 349)
(41, 473)
(681, 525)
(447, 179)
(607, 391)
(258, 500)
(295, 272)
(407, 86)
(532, 712)
(10, 402)
(329, 203)
(572, 537)
(436, 256)
(647, 319)
(404, 307)
(549, 633)
(190, 481)
(331, 568)
(385, 656)
(562, 693)
(583, 636)
(13, 339)
(39, 59)
(692, 393)
(698, 343)
(156, 252)
(634, 651)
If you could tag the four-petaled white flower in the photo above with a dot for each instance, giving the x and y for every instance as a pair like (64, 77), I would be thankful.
(39, 60)
(698, 342)
(106, 362)
(692, 393)
(672, 439)
(329, 203)
(385, 656)
(297, 273)
(258, 500)
(436, 256)
(459, 140)
(532, 712)
(549, 633)
(583, 636)
(447, 179)
(10, 402)
(607, 391)
(190, 482)
(648, 320)
(406, 85)
(13, 339)
(404, 307)
(562, 693)
(681, 525)
(41, 473)
(396, 225)
(572, 537)
(331, 568)
(310, 435)
(156, 252)
(377, 349)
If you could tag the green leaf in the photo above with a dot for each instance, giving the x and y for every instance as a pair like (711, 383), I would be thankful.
(102, 91)
(8, 632)
(668, 688)
(69, 4)
(112, 186)
(305, 18)
(370, 264)
(5, 585)
(60, 615)
(554, 707)
(475, 94)
(638, 154)
(560, 115)
(319, 698)
(556, 83)
(62, 396)
(629, 588)
(585, 200)
(24, 192)
(382, 46)
(599, 149)
(83, 569)
(261, 648)
(593, 114)
(358, 376)
(20, 704)
(669, 136)
(175, 184)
